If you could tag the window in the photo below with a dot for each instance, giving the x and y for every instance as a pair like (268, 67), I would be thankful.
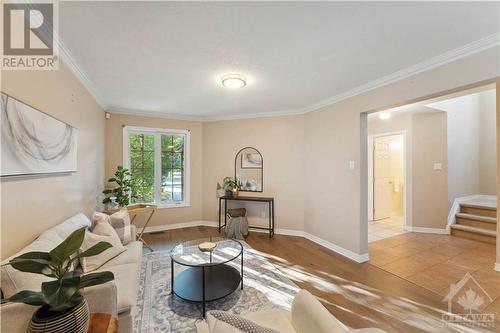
(158, 160)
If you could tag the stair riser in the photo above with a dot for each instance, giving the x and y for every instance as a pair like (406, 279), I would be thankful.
(474, 236)
(478, 211)
(477, 224)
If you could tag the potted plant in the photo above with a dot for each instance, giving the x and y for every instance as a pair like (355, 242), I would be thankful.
(230, 185)
(121, 193)
(62, 306)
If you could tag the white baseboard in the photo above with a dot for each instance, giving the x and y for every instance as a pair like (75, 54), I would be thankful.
(359, 258)
(429, 230)
(497, 267)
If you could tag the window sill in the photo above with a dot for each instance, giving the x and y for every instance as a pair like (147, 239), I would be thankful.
(166, 206)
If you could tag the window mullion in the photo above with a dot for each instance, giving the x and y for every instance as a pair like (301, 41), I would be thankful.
(157, 192)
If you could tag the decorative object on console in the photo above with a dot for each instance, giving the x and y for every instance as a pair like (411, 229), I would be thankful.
(248, 170)
(63, 308)
(122, 191)
(34, 142)
(230, 186)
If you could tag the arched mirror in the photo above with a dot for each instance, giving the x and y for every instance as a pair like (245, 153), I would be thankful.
(248, 170)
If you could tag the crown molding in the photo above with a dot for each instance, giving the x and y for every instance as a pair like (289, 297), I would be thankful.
(440, 60)
(68, 59)
(153, 114)
(443, 59)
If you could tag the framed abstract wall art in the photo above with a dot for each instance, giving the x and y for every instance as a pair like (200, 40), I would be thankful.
(33, 142)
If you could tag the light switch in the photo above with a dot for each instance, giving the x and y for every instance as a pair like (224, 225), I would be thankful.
(352, 165)
(438, 166)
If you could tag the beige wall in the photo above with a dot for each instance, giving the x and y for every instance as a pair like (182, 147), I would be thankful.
(430, 187)
(280, 140)
(498, 169)
(31, 205)
(487, 143)
(336, 196)
(114, 157)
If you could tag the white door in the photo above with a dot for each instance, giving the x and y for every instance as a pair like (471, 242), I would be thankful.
(382, 182)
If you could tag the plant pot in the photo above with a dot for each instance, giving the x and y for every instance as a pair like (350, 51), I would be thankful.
(229, 194)
(73, 320)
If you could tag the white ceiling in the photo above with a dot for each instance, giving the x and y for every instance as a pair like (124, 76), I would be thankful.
(168, 57)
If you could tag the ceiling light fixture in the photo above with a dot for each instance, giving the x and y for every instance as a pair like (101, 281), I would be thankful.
(234, 81)
(384, 115)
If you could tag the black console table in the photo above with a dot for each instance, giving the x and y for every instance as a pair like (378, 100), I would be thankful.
(269, 201)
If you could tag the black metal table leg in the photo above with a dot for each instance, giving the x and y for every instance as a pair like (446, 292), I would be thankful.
(220, 202)
(225, 212)
(273, 215)
(270, 223)
(203, 288)
(171, 276)
(242, 269)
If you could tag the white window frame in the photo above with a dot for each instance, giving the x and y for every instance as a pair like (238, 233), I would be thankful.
(158, 132)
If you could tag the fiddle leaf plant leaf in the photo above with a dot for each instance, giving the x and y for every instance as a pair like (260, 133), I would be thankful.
(69, 246)
(30, 297)
(95, 250)
(33, 262)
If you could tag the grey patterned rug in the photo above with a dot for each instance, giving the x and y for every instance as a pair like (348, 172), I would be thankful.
(157, 311)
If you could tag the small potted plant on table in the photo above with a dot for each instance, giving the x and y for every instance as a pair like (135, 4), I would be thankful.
(62, 307)
(230, 186)
(119, 196)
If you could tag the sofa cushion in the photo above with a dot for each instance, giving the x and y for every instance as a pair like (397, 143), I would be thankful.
(309, 315)
(225, 322)
(126, 281)
(102, 232)
(132, 255)
(120, 221)
(13, 281)
(65, 228)
(277, 319)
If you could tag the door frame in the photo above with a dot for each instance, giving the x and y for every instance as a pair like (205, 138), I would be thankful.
(405, 173)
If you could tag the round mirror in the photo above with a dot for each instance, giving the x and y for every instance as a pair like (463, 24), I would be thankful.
(248, 170)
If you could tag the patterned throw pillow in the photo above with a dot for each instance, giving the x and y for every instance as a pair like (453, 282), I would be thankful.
(120, 221)
(225, 322)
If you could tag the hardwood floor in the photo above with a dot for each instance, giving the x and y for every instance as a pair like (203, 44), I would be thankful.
(360, 295)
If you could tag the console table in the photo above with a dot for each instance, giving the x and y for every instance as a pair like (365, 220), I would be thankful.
(268, 200)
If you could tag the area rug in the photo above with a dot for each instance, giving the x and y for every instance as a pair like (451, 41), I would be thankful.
(158, 311)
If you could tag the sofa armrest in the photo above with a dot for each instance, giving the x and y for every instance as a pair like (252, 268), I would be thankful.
(102, 298)
(15, 317)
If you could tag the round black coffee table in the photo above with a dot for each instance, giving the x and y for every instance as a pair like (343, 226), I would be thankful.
(209, 275)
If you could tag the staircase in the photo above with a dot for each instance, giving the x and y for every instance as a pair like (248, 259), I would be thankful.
(476, 221)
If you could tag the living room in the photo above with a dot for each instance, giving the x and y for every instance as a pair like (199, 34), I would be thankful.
(245, 139)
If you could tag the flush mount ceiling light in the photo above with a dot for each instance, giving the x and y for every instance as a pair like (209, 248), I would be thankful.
(234, 81)
(384, 115)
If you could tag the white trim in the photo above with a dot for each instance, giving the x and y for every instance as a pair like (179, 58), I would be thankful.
(359, 258)
(497, 267)
(428, 230)
(187, 161)
(455, 208)
(443, 59)
(405, 173)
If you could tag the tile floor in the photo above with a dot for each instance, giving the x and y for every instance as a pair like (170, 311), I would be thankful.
(436, 261)
(385, 228)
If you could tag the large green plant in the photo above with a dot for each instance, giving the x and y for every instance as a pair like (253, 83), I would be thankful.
(64, 291)
(122, 191)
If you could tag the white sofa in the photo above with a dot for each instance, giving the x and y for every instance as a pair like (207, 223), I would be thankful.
(308, 315)
(117, 297)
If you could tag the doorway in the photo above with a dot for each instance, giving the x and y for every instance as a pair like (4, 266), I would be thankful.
(387, 185)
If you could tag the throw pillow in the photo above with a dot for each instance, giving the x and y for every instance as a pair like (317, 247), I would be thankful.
(102, 232)
(120, 221)
(225, 322)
